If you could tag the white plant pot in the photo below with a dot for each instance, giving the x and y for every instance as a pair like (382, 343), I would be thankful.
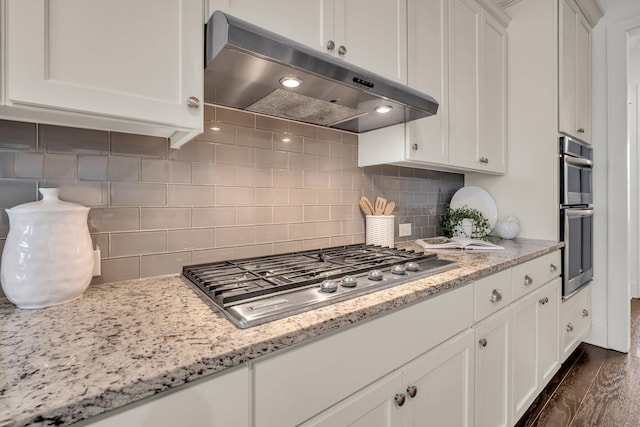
(48, 256)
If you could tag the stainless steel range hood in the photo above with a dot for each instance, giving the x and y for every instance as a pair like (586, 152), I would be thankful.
(245, 67)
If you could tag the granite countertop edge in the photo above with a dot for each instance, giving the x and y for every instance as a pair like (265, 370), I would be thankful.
(210, 358)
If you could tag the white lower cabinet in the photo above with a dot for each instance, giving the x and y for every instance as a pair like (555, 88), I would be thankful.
(221, 401)
(576, 321)
(493, 337)
(536, 355)
(436, 388)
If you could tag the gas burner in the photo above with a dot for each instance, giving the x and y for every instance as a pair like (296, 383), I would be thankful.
(258, 290)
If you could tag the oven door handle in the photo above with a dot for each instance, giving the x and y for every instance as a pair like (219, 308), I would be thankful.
(578, 161)
(578, 212)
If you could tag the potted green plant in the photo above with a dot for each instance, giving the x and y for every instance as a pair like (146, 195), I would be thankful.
(468, 222)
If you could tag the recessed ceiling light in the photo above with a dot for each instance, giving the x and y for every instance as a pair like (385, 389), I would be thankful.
(215, 128)
(383, 109)
(290, 82)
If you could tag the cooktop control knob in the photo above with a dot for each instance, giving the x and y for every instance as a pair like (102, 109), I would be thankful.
(398, 269)
(349, 282)
(412, 266)
(375, 275)
(329, 286)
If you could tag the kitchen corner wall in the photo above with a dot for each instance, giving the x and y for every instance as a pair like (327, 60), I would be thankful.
(249, 185)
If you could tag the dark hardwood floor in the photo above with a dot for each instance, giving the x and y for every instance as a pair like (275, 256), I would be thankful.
(594, 387)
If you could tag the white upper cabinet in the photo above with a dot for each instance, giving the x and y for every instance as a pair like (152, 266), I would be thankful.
(370, 34)
(309, 22)
(575, 72)
(110, 65)
(457, 54)
(477, 88)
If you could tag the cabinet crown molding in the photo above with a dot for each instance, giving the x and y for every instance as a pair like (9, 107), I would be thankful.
(591, 9)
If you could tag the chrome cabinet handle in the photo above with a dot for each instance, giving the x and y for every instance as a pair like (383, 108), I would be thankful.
(496, 296)
(330, 45)
(412, 391)
(569, 327)
(544, 300)
(585, 312)
(342, 50)
(193, 102)
(553, 267)
(581, 130)
(400, 398)
(484, 160)
(414, 147)
(528, 280)
(482, 342)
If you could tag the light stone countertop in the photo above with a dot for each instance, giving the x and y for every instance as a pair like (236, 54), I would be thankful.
(125, 341)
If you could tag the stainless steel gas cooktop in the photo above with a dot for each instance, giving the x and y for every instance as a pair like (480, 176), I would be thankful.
(253, 291)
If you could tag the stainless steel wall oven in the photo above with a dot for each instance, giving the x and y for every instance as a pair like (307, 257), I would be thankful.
(576, 213)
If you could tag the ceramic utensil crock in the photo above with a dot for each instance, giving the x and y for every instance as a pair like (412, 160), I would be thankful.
(48, 255)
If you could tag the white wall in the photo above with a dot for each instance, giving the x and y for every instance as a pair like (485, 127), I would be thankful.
(610, 290)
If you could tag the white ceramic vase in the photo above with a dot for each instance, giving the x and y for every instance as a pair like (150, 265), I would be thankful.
(48, 255)
(509, 228)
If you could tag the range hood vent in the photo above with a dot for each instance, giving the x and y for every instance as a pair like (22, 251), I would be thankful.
(246, 65)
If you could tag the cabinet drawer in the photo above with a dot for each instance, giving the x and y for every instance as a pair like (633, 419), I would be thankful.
(491, 294)
(535, 273)
(293, 386)
(576, 320)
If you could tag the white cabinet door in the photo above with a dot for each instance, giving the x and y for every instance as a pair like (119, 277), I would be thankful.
(309, 22)
(576, 321)
(548, 331)
(427, 71)
(373, 35)
(535, 344)
(575, 72)
(119, 60)
(221, 401)
(493, 370)
(492, 137)
(464, 69)
(583, 79)
(372, 407)
(444, 385)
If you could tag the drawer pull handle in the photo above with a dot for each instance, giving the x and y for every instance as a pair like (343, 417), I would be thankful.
(482, 342)
(496, 296)
(544, 300)
(585, 312)
(400, 398)
(528, 280)
(553, 268)
(412, 391)
(569, 327)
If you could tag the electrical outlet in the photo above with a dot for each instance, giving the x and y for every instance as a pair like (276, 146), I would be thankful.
(404, 230)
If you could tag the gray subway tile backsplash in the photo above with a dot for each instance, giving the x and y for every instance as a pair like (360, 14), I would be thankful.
(249, 185)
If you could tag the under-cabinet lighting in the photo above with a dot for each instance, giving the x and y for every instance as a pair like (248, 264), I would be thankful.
(290, 82)
(383, 109)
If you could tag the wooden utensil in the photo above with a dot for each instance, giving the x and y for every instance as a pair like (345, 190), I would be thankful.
(365, 205)
(390, 207)
(381, 204)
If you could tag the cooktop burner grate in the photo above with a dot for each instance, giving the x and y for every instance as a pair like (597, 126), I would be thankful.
(235, 286)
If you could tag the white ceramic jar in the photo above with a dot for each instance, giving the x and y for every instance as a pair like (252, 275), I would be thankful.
(48, 255)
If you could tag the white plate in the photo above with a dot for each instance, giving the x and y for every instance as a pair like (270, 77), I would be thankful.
(477, 198)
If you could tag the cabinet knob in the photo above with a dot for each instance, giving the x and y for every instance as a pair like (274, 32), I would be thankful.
(528, 280)
(544, 300)
(496, 296)
(193, 102)
(400, 399)
(414, 147)
(569, 327)
(342, 50)
(412, 391)
(581, 130)
(553, 267)
(482, 342)
(484, 160)
(585, 312)
(330, 45)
